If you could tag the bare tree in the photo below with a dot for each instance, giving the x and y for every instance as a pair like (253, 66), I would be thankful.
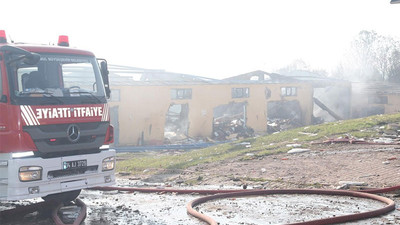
(372, 57)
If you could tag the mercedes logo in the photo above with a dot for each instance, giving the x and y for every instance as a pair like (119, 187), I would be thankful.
(73, 133)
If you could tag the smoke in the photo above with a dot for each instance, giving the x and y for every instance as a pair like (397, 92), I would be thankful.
(370, 57)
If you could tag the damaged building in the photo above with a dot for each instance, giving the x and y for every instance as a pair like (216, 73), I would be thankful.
(281, 113)
(332, 97)
(154, 107)
(375, 98)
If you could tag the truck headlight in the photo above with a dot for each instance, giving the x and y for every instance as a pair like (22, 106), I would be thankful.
(30, 173)
(108, 163)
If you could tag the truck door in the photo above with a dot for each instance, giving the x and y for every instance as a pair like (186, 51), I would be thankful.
(3, 106)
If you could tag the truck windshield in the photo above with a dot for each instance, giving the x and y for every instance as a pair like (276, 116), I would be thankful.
(56, 79)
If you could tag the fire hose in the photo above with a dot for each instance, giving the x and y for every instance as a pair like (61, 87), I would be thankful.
(219, 194)
(78, 220)
(51, 206)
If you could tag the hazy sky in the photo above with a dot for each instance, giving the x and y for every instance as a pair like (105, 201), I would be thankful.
(212, 38)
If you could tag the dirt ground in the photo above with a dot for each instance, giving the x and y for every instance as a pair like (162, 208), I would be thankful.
(324, 166)
(333, 166)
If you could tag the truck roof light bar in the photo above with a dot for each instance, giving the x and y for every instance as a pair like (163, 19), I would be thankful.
(3, 38)
(63, 41)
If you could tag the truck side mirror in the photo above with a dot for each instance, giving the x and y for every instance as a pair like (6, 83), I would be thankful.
(32, 59)
(104, 73)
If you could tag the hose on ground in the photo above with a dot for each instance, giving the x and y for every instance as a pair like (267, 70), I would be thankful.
(78, 220)
(44, 206)
(219, 194)
(339, 219)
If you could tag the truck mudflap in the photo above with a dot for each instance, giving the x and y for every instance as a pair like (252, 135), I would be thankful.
(57, 175)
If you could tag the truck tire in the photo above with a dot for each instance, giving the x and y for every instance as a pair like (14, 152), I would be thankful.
(64, 197)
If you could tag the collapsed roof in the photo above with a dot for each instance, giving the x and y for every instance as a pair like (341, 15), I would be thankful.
(127, 76)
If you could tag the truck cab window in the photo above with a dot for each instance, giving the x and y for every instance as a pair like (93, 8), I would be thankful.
(28, 78)
(75, 79)
(73, 74)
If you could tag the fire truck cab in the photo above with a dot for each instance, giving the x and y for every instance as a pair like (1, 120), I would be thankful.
(54, 121)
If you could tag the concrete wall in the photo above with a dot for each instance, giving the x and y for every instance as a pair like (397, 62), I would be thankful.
(142, 109)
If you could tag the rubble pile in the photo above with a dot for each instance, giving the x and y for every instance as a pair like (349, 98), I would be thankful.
(231, 129)
(283, 115)
(277, 125)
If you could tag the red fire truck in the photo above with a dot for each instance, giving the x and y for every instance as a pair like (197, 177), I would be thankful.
(54, 121)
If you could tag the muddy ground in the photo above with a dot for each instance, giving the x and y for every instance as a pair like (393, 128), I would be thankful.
(324, 166)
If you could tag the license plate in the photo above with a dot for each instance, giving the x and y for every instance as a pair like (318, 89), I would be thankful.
(67, 165)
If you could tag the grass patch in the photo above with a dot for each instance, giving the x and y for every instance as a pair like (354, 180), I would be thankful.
(258, 147)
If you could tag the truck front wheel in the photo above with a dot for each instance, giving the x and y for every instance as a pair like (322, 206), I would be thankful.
(64, 197)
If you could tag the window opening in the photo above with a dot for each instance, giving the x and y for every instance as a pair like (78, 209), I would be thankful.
(240, 92)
